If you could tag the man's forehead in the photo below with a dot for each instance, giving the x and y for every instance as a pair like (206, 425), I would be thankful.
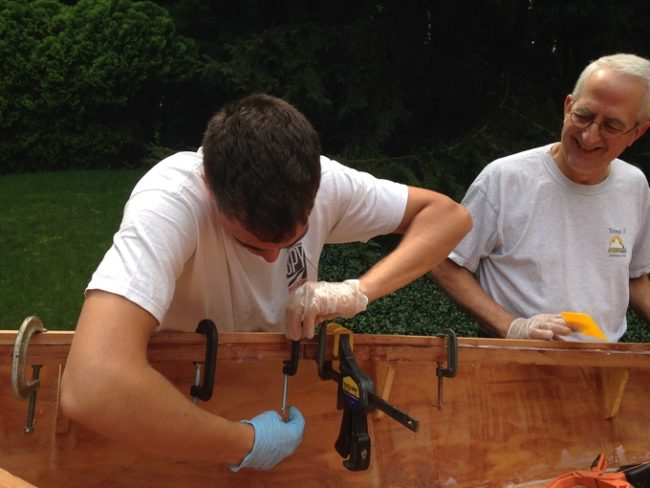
(605, 89)
(249, 239)
(618, 85)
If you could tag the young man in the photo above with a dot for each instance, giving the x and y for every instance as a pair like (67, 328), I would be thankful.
(234, 233)
(563, 227)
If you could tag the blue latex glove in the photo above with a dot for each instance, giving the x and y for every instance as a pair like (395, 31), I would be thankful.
(275, 439)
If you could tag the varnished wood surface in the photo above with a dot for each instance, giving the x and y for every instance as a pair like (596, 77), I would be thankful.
(8, 480)
(516, 413)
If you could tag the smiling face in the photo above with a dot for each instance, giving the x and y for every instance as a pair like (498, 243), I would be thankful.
(610, 99)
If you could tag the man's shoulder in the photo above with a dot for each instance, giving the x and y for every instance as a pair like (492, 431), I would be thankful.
(180, 162)
(629, 171)
(328, 165)
(524, 163)
(528, 156)
(173, 173)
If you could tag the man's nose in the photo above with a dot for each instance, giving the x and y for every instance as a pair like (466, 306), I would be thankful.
(270, 255)
(592, 133)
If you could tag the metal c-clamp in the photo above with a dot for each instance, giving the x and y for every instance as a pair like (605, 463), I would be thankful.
(24, 389)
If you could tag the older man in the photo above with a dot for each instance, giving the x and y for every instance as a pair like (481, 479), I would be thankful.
(563, 227)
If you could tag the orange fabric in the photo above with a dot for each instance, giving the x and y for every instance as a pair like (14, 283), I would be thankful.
(596, 478)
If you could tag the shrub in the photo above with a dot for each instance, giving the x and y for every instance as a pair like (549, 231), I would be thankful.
(420, 308)
(83, 85)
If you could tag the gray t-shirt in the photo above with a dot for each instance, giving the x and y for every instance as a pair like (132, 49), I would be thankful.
(544, 244)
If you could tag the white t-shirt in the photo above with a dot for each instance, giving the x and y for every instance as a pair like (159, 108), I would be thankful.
(171, 257)
(544, 244)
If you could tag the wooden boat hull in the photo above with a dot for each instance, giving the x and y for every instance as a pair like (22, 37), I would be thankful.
(516, 413)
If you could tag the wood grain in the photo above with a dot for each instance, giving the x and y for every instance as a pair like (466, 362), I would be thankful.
(517, 413)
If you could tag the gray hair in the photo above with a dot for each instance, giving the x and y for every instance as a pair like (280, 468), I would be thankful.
(627, 64)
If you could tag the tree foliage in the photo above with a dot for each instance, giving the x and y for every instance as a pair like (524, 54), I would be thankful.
(83, 85)
(424, 90)
(430, 90)
(420, 91)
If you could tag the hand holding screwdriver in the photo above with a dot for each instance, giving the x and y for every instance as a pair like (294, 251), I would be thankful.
(275, 439)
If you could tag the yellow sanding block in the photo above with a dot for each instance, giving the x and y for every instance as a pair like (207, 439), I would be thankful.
(587, 325)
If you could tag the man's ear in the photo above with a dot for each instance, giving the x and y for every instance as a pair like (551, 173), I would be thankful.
(640, 131)
(568, 101)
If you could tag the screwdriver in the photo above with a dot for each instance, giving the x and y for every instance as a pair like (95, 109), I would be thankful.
(289, 369)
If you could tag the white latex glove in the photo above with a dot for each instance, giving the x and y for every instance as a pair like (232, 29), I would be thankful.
(315, 302)
(275, 439)
(540, 326)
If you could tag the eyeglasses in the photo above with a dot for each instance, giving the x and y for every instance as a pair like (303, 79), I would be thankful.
(609, 130)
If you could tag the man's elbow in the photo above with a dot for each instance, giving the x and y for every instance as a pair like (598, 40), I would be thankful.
(450, 276)
(77, 399)
(442, 269)
(465, 223)
(457, 225)
(70, 400)
(453, 219)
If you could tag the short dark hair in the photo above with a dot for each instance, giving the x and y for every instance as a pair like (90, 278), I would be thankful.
(261, 158)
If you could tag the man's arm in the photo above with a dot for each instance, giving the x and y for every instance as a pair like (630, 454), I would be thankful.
(465, 291)
(109, 386)
(640, 296)
(463, 288)
(432, 226)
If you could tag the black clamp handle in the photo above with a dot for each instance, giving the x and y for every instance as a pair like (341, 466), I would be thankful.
(354, 390)
(324, 367)
(452, 354)
(637, 474)
(291, 367)
(353, 442)
(204, 391)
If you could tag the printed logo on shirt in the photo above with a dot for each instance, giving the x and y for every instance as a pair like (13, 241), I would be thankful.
(296, 266)
(616, 243)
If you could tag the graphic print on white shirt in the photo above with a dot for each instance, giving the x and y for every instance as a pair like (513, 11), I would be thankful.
(296, 266)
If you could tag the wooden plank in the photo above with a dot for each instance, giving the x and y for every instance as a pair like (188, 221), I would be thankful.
(167, 346)
(8, 480)
(385, 374)
(613, 381)
(555, 353)
(517, 412)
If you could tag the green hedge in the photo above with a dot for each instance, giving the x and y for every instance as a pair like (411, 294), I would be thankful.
(420, 308)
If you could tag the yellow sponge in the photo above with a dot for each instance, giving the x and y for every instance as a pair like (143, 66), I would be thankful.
(587, 325)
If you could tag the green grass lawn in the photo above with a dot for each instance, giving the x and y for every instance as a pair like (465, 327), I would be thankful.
(56, 227)
(54, 230)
